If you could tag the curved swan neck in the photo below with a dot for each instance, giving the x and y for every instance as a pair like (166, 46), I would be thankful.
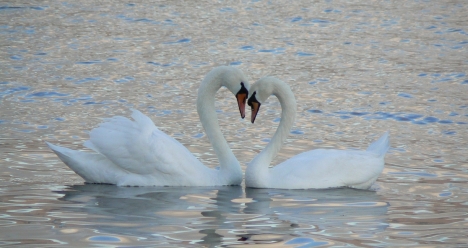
(258, 168)
(207, 112)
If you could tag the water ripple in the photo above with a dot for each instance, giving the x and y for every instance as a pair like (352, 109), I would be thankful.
(43, 94)
(92, 62)
(414, 118)
(86, 80)
(184, 40)
(13, 90)
(11, 8)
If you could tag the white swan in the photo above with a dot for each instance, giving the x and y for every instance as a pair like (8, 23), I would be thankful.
(320, 168)
(136, 153)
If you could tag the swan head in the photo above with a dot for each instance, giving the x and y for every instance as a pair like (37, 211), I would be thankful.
(235, 80)
(259, 93)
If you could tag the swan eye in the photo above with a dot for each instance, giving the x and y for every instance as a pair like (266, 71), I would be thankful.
(252, 99)
(243, 90)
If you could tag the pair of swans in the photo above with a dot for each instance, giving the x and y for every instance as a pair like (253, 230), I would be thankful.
(137, 153)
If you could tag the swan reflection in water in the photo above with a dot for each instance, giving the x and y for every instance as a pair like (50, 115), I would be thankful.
(225, 215)
(156, 213)
(322, 208)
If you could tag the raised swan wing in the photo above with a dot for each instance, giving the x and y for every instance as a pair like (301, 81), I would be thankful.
(140, 147)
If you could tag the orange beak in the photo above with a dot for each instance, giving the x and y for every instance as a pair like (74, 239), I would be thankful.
(255, 106)
(241, 99)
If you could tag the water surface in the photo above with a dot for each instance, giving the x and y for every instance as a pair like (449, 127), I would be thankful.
(357, 70)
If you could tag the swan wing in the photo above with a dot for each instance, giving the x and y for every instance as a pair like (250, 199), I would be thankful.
(139, 147)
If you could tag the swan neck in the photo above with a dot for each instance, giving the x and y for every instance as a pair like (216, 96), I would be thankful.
(207, 113)
(258, 168)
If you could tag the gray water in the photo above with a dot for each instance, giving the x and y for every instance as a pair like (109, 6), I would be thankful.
(357, 69)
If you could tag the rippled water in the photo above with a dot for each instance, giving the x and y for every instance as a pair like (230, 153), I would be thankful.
(357, 69)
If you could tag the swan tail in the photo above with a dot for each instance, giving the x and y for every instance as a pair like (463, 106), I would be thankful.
(380, 146)
(92, 167)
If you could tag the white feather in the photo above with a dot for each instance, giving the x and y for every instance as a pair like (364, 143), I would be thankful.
(321, 168)
(136, 153)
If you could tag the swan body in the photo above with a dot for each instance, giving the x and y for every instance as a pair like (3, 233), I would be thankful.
(136, 153)
(318, 169)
